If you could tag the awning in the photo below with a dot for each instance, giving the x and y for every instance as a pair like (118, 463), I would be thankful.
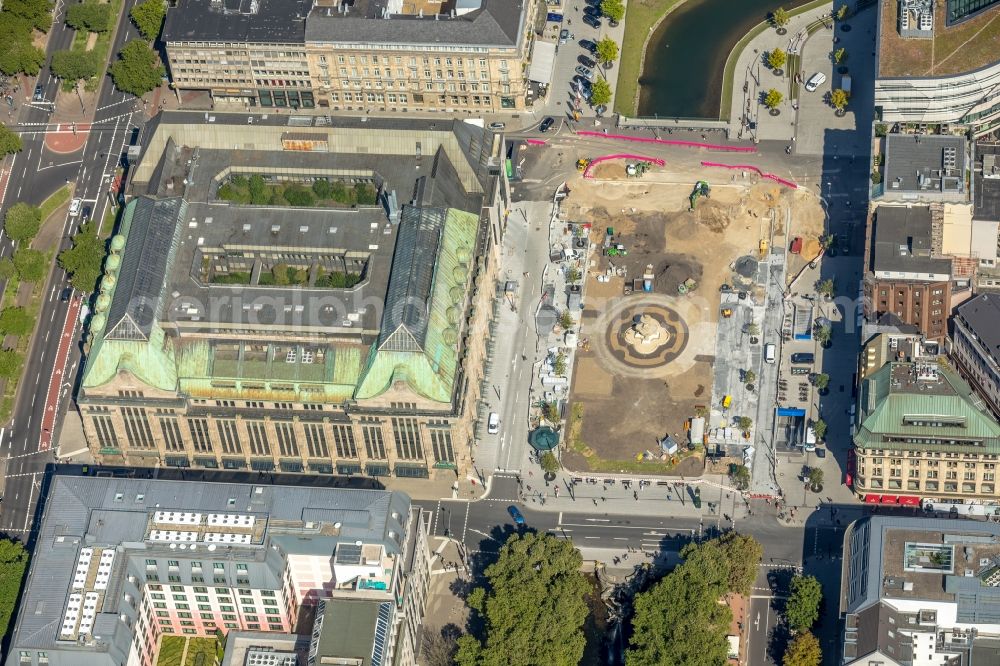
(873, 499)
(543, 57)
(909, 500)
(849, 480)
(890, 499)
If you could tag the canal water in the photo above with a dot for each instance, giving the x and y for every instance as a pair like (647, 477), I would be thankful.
(682, 75)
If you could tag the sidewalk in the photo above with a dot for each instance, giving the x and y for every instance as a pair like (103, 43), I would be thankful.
(752, 79)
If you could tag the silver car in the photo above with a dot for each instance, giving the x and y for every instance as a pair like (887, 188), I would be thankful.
(585, 72)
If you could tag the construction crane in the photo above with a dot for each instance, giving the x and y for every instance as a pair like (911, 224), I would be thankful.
(701, 189)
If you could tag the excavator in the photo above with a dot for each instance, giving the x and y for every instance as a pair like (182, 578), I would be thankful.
(701, 189)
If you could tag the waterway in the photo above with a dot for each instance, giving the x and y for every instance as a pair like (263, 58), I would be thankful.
(682, 74)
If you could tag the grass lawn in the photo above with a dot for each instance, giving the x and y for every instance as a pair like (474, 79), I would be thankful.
(171, 651)
(56, 199)
(201, 652)
(640, 17)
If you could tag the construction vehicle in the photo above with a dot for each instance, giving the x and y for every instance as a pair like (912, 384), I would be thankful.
(637, 169)
(727, 312)
(583, 163)
(687, 286)
(701, 189)
(762, 248)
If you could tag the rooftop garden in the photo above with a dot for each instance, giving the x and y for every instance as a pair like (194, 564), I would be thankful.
(258, 191)
(283, 275)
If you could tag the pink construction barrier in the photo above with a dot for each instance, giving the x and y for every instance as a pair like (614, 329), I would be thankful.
(670, 142)
(597, 160)
(748, 167)
(535, 142)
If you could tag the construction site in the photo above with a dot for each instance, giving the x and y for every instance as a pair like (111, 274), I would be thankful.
(663, 258)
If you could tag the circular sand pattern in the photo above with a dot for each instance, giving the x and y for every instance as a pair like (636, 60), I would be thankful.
(621, 327)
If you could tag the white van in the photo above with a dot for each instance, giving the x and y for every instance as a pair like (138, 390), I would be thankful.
(815, 81)
(74, 207)
(810, 443)
(769, 352)
(493, 424)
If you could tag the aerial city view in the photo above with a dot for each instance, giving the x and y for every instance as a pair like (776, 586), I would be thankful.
(500, 332)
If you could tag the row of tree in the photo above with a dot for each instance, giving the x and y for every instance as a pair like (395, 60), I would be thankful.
(20, 20)
(137, 69)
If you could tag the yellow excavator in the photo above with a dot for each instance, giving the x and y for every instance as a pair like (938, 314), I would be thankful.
(583, 163)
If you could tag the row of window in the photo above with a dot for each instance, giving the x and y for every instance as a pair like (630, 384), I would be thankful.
(254, 437)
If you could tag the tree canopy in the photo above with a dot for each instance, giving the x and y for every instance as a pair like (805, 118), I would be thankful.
(16, 321)
(533, 606)
(136, 70)
(148, 18)
(84, 259)
(600, 92)
(607, 51)
(802, 609)
(13, 561)
(839, 98)
(37, 12)
(780, 17)
(75, 65)
(613, 9)
(803, 651)
(773, 98)
(680, 620)
(776, 58)
(89, 16)
(17, 52)
(22, 222)
(29, 264)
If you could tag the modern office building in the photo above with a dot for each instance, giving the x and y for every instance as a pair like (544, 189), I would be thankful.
(925, 169)
(347, 339)
(937, 63)
(359, 55)
(920, 591)
(120, 564)
(922, 434)
(904, 277)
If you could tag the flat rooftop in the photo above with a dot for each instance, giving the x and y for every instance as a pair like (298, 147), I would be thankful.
(963, 47)
(922, 378)
(902, 241)
(925, 164)
(986, 182)
(242, 21)
(982, 315)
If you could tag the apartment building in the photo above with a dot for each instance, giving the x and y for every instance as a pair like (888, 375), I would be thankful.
(347, 340)
(120, 563)
(915, 83)
(920, 591)
(905, 280)
(358, 55)
(923, 435)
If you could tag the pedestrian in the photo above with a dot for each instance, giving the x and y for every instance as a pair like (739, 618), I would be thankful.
(604, 499)
(635, 495)
(625, 556)
(595, 501)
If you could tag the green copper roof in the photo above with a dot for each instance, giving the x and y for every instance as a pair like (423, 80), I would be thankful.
(920, 415)
(428, 367)
(421, 350)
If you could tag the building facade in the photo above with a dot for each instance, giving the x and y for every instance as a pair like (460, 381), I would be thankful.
(121, 563)
(932, 85)
(904, 279)
(975, 346)
(235, 346)
(923, 435)
(365, 55)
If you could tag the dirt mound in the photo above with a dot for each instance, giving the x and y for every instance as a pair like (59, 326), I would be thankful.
(609, 171)
(713, 216)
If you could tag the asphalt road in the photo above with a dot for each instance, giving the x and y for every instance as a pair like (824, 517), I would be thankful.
(36, 174)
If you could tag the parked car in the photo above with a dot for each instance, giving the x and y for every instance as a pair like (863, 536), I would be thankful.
(585, 72)
(587, 62)
(580, 81)
(38, 97)
(803, 358)
(496, 127)
(546, 124)
(493, 424)
(592, 21)
(815, 81)
(515, 514)
(591, 10)
(589, 45)
(565, 35)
